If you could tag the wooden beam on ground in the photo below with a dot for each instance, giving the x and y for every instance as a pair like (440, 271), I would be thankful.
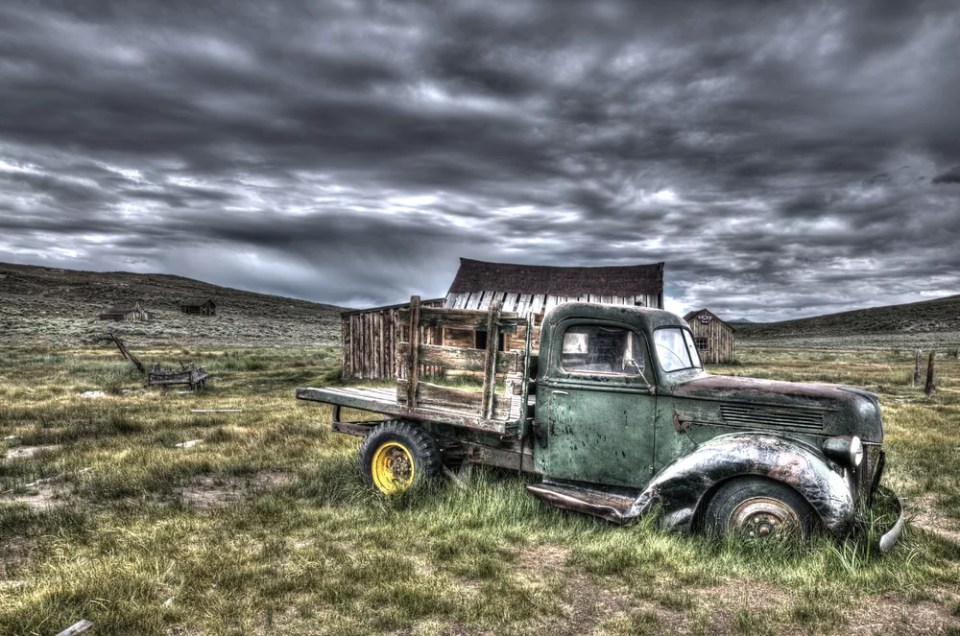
(77, 628)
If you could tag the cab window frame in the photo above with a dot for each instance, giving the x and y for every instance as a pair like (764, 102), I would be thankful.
(641, 376)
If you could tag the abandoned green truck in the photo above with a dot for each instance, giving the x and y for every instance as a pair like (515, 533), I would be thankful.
(619, 418)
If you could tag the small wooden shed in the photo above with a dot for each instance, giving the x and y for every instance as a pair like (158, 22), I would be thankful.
(713, 337)
(199, 307)
(126, 312)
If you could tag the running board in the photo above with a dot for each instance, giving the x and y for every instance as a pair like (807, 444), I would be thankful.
(598, 503)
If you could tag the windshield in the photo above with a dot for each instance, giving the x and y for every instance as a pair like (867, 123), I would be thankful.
(675, 349)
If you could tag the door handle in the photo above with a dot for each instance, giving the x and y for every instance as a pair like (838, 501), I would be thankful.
(558, 392)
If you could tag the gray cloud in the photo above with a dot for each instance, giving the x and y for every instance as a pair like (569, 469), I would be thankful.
(783, 159)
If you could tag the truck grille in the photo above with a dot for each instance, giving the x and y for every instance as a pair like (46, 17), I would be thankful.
(866, 475)
(770, 417)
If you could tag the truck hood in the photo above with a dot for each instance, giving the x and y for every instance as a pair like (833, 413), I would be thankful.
(826, 409)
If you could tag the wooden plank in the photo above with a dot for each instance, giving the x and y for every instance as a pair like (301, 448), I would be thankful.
(459, 318)
(459, 359)
(510, 302)
(435, 399)
(536, 304)
(413, 367)
(445, 396)
(490, 361)
(77, 628)
(357, 399)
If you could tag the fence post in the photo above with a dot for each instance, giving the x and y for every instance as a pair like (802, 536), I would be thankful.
(928, 389)
(916, 370)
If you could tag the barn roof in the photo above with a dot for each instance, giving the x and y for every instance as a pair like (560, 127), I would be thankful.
(197, 302)
(625, 280)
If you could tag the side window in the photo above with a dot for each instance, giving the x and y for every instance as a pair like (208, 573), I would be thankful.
(593, 349)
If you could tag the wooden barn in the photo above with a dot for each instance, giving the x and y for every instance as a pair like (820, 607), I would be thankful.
(127, 312)
(713, 337)
(199, 307)
(370, 335)
(370, 338)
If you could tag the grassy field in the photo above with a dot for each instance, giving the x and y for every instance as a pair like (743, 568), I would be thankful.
(265, 528)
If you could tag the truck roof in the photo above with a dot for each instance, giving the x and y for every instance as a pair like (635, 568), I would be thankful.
(645, 318)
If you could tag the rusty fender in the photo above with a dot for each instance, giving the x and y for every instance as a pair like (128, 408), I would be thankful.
(679, 488)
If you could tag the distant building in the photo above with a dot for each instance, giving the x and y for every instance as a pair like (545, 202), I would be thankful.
(134, 312)
(713, 337)
(199, 307)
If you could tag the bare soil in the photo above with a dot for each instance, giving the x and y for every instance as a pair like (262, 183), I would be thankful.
(207, 492)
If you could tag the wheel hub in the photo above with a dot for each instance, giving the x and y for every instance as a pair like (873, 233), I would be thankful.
(762, 517)
(392, 468)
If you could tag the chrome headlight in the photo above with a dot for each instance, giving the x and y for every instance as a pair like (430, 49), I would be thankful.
(846, 450)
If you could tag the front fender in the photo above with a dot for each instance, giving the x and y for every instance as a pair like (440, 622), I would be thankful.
(680, 488)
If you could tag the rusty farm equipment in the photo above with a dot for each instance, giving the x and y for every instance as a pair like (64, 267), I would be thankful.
(189, 374)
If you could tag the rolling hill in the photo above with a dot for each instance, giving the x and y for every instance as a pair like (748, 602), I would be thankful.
(62, 306)
(928, 323)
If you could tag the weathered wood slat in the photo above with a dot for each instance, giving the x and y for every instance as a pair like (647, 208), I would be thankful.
(445, 398)
(457, 358)
(413, 367)
(490, 359)
(459, 318)
(358, 398)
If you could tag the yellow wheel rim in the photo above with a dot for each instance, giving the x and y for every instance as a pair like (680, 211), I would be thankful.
(392, 468)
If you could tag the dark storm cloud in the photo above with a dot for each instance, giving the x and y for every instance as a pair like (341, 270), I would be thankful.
(950, 176)
(782, 159)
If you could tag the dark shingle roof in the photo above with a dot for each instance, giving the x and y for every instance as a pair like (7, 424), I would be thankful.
(196, 302)
(628, 280)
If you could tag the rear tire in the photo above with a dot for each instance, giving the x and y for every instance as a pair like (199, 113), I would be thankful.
(756, 508)
(397, 456)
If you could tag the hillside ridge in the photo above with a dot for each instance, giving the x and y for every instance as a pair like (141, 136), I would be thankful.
(62, 305)
(939, 315)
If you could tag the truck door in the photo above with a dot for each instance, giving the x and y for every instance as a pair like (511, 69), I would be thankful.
(600, 409)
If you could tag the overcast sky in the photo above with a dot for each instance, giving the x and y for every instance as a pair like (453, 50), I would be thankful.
(784, 159)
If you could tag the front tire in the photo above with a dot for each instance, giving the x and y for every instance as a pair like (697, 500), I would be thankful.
(756, 508)
(397, 456)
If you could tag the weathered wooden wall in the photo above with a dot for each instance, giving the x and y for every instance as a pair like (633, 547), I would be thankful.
(719, 338)
(370, 337)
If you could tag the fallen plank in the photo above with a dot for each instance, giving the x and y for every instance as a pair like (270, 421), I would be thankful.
(77, 628)
(189, 443)
(216, 410)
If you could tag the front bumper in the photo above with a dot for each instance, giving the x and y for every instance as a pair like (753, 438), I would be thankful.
(891, 536)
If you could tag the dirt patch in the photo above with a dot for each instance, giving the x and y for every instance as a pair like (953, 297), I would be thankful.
(924, 513)
(894, 614)
(544, 557)
(38, 497)
(208, 492)
(24, 452)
